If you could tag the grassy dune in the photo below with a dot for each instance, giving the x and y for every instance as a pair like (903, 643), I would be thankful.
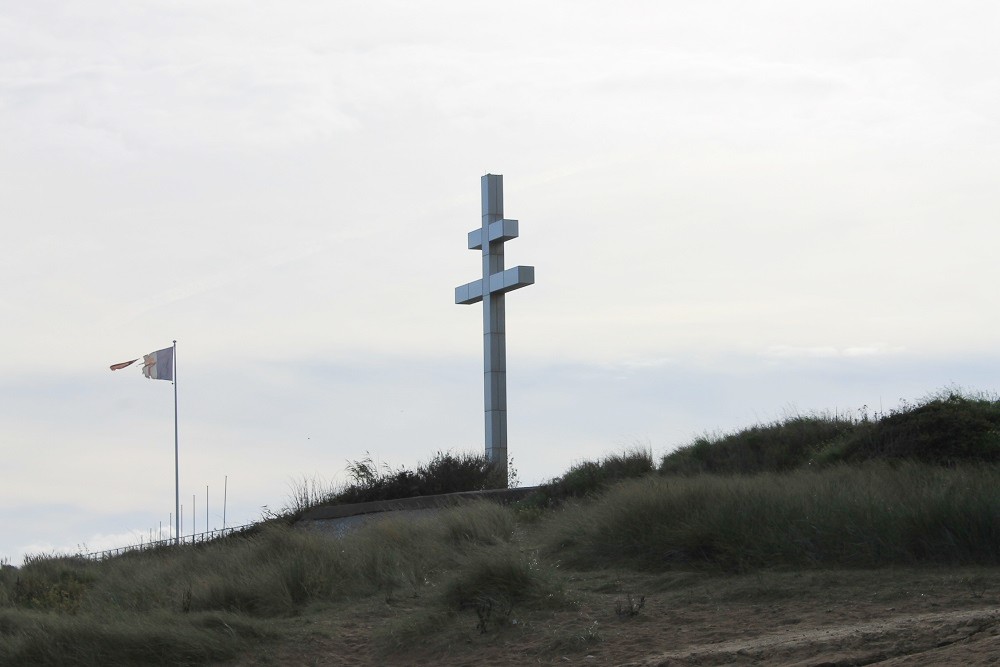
(806, 494)
(844, 516)
(195, 605)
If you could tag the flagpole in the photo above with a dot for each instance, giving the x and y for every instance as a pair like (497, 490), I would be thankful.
(177, 466)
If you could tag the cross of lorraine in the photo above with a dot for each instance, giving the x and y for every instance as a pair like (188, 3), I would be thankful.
(490, 289)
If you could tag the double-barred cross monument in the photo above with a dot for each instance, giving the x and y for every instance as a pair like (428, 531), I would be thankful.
(490, 289)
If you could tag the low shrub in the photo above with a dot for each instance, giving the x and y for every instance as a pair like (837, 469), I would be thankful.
(506, 575)
(49, 583)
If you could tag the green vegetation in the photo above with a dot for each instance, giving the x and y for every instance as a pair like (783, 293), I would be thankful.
(773, 447)
(593, 477)
(948, 428)
(198, 604)
(918, 486)
(844, 516)
(446, 472)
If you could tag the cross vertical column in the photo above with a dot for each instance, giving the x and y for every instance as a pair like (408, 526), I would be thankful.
(491, 290)
(494, 336)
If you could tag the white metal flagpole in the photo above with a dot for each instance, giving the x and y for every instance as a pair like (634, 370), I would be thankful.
(177, 466)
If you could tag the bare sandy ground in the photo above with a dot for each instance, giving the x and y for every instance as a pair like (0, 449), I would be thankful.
(939, 616)
(957, 637)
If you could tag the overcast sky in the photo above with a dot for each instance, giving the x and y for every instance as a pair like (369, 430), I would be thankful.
(736, 210)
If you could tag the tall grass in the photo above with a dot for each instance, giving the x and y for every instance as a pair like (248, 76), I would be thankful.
(873, 515)
(35, 638)
(215, 598)
(279, 570)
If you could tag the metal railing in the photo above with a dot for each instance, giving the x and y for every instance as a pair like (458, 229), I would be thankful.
(197, 538)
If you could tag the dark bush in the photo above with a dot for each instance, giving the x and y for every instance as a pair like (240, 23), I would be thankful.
(450, 473)
(591, 477)
(445, 473)
(946, 431)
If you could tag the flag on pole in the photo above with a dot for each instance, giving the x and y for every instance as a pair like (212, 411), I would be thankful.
(159, 365)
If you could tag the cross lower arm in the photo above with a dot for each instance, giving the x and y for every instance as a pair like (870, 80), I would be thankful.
(511, 279)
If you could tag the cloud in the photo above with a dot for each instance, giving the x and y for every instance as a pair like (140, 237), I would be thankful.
(830, 352)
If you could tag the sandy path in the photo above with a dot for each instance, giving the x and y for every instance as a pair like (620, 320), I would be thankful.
(921, 639)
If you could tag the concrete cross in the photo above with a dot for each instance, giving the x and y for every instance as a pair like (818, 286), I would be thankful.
(490, 290)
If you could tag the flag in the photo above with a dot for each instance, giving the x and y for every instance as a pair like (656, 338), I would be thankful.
(159, 365)
(118, 367)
